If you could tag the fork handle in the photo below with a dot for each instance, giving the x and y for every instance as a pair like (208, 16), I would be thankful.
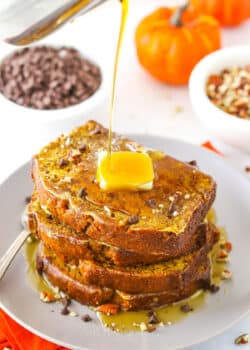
(6, 260)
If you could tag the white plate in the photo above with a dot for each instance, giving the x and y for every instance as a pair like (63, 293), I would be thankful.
(222, 310)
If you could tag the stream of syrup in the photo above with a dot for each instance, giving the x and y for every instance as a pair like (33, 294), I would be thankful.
(124, 16)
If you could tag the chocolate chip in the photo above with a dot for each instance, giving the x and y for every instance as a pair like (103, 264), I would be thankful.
(63, 162)
(186, 308)
(213, 288)
(151, 203)
(82, 193)
(39, 265)
(65, 311)
(171, 209)
(86, 318)
(66, 302)
(27, 199)
(173, 204)
(44, 77)
(247, 169)
(152, 318)
(133, 219)
(82, 147)
(193, 163)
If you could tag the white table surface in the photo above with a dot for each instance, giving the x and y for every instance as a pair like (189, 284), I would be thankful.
(143, 105)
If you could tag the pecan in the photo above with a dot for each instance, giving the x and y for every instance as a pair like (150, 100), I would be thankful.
(46, 297)
(82, 148)
(74, 155)
(241, 103)
(73, 314)
(230, 90)
(109, 309)
(215, 80)
(226, 274)
(86, 318)
(143, 327)
(63, 162)
(222, 256)
(151, 203)
(227, 246)
(66, 301)
(82, 193)
(172, 212)
(152, 318)
(151, 328)
(242, 339)
(134, 219)
(186, 308)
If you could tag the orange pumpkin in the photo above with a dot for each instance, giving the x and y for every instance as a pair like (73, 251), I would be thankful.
(228, 12)
(170, 42)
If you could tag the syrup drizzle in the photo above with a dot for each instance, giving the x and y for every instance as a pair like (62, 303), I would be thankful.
(124, 16)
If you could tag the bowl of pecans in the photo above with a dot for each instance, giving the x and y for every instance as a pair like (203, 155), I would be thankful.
(50, 89)
(219, 89)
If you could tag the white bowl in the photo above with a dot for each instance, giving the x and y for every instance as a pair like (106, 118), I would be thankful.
(227, 128)
(41, 126)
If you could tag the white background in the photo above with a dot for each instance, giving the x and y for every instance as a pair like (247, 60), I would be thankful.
(143, 105)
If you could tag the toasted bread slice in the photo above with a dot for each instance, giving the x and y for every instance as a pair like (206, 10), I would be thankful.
(155, 278)
(64, 175)
(71, 245)
(93, 295)
(69, 282)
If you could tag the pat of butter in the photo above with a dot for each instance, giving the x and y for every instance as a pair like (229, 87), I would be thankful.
(125, 171)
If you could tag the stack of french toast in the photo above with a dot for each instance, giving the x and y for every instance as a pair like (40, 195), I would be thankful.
(134, 249)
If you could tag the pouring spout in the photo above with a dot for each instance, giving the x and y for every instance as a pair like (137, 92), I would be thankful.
(22, 23)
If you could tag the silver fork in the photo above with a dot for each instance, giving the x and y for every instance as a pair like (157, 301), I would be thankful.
(9, 256)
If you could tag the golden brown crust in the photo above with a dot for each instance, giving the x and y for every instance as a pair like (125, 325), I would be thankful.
(92, 249)
(155, 278)
(151, 278)
(71, 245)
(93, 295)
(156, 231)
(89, 295)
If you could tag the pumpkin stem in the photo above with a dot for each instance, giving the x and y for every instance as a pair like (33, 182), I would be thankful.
(176, 19)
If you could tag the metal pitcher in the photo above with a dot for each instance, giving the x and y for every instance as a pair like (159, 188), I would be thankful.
(25, 21)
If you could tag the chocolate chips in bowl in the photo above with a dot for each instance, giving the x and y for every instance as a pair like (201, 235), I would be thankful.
(44, 77)
(48, 90)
